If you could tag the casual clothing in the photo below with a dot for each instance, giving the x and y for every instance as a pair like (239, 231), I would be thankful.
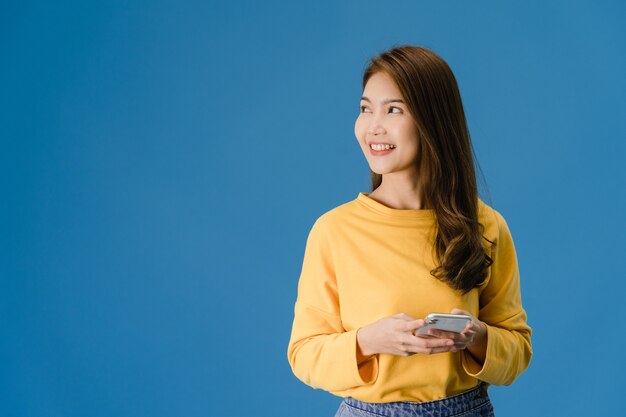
(473, 403)
(365, 261)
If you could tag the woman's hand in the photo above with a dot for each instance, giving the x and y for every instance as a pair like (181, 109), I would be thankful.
(394, 335)
(472, 338)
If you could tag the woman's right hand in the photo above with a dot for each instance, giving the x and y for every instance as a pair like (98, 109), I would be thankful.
(394, 335)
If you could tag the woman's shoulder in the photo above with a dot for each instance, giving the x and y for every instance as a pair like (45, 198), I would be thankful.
(336, 214)
(492, 220)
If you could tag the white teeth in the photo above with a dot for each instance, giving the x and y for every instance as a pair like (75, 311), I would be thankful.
(378, 147)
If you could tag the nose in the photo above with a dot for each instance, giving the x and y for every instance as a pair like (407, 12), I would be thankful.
(376, 123)
(375, 128)
(374, 131)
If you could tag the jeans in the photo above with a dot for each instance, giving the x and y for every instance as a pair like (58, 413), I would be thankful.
(472, 403)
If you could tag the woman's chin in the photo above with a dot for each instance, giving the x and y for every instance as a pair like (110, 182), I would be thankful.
(381, 170)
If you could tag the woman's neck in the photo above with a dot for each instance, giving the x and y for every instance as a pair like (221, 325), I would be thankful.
(402, 196)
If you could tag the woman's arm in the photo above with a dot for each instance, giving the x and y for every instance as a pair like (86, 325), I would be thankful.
(505, 351)
(321, 352)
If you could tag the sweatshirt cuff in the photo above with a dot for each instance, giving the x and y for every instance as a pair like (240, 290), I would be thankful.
(491, 369)
(364, 373)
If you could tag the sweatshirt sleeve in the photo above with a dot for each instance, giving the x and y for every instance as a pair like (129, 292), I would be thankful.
(508, 335)
(321, 352)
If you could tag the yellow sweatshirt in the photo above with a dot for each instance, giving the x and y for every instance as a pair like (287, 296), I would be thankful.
(365, 261)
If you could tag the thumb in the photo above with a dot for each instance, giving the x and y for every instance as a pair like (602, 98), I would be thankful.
(459, 311)
(414, 324)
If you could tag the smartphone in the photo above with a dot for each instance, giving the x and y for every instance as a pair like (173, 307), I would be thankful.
(446, 322)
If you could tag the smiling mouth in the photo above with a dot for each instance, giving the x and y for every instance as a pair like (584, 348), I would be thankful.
(381, 146)
(375, 152)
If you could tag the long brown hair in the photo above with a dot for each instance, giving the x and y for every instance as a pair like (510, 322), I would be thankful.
(445, 162)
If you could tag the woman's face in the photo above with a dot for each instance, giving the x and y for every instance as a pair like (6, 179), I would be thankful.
(385, 120)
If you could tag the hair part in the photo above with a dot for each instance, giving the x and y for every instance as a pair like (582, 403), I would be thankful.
(445, 161)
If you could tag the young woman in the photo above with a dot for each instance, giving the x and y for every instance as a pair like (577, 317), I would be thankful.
(420, 242)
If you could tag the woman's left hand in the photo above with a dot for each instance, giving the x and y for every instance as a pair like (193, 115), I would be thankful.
(474, 334)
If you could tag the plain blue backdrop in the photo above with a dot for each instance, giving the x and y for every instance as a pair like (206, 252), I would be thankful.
(162, 164)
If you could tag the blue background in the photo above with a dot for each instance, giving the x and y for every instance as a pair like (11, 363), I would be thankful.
(163, 162)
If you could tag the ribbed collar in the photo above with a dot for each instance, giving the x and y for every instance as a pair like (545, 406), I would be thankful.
(380, 208)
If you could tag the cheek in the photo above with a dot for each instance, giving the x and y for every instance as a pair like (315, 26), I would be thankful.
(408, 131)
(359, 129)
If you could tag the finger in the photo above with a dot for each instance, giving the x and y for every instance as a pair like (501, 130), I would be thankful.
(431, 351)
(443, 334)
(411, 326)
(466, 341)
(464, 337)
(471, 328)
(433, 345)
(404, 317)
(429, 342)
(462, 343)
(427, 350)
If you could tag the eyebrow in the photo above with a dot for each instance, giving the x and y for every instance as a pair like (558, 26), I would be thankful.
(389, 100)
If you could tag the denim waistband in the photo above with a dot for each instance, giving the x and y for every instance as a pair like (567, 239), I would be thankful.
(448, 406)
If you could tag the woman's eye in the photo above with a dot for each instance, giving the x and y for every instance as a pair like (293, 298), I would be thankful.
(395, 108)
(363, 109)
